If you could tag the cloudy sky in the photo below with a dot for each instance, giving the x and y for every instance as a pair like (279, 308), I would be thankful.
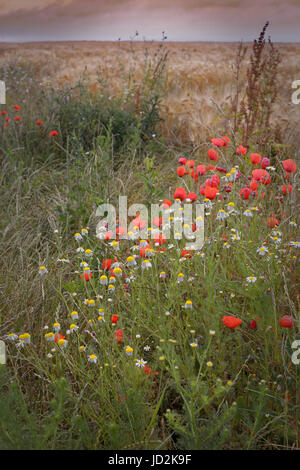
(182, 20)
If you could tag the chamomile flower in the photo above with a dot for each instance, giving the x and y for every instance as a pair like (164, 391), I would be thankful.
(262, 251)
(62, 343)
(12, 337)
(117, 272)
(74, 315)
(188, 304)
(103, 280)
(209, 364)
(162, 275)
(141, 363)
(111, 288)
(129, 350)
(88, 253)
(248, 213)
(80, 249)
(180, 278)
(73, 328)
(56, 327)
(251, 279)
(78, 237)
(49, 336)
(43, 270)
(131, 261)
(146, 264)
(194, 345)
(147, 348)
(84, 232)
(92, 358)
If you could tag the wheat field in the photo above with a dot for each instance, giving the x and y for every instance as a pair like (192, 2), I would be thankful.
(199, 77)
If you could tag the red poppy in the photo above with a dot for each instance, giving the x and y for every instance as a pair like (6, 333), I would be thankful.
(182, 161)
(286, 321)
(265, 162)
(241, 150)
(218, 142)
(106, 265)
(253, 325)
(58, 337)
(17, 118)
(53, 133)
(166, 204)
(186, 253)
(3, 112)
(200, 169)
(86, 276)
(213, 154)
(120, 231)
(181, 171)
(39, 123)
(245, 193)
(114, 319)
(180, 193)
(255, 158)
(286, 189)
(222, 170)
(210, 193)
(190, 163)
(272, 222)
(231, 322)
(160, 239)
(253, 185)
(289, 165)
(192, 197)
(119, 335)
(17, 107)
(261, 175)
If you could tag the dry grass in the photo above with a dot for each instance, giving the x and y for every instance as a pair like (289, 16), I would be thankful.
(197, 74)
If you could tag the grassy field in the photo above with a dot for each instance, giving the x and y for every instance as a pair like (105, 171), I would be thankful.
(132, 345)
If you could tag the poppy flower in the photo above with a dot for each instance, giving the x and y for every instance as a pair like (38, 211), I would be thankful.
(213, 155)
(186, 253)
(86, 276)
(17, 107)
(190, 163)
(286, 321)
(241, 150)
(181, 171)
(218, 142)
(53, 133)
(220, 169)
(114, 319)
(201, 169)
(210, 193)
(17, 118)
(192, 197)
(289, 165)
(58, 337)
(119, 335)
(286, 189)
(272, 222)
(120, 231)
(180, 193)
(253, 185)
(265, 162)
(253, 325)
(255, 158)
(231, 322)
(182, 161)
(261, 175)
(160, 239)
(226, 140)
(157, 221)
(166, 204)
(3, 112)
(106, 265)
(245, 193)
(39, 123)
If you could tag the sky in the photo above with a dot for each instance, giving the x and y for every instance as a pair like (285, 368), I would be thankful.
(182, 20)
